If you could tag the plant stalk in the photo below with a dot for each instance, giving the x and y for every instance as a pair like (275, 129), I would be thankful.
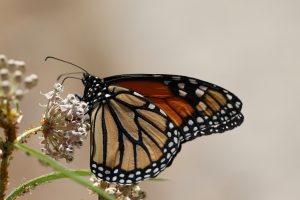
(9, 124)
(31, 184)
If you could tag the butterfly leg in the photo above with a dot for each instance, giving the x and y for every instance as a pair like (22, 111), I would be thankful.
(79, 97)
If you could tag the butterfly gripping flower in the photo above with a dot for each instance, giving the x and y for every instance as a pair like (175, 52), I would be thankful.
(120, 192)
(65, 125)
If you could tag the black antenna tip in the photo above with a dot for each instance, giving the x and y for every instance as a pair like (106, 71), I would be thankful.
(48, 58)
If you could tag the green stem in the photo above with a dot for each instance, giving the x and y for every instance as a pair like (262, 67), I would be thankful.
(8, 123)
(25, 187)
(21, 138)
(58, 167)
(4, 169)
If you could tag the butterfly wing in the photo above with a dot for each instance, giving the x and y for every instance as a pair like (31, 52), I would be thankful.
(133, 139)
(195, 106)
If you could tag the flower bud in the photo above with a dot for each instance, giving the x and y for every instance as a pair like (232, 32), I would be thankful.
(31, 81)
(19, 94)
(11, 65)
(5, 86)
(3, 61)
(34, 78)
(21, 66)
(28, 82)
(17, 77)
(4, 74)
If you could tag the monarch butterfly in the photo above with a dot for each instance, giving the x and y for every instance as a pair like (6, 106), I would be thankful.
(140, 121)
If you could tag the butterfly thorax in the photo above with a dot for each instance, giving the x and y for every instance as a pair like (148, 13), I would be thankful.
(95, 90)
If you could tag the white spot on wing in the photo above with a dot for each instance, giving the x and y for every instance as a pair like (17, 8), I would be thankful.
(151, 106)
(199, 92)
(100, 168)
(162, 112)
(169, 134)
(182, 93)
(193, 81)
(137, 94)
(177, 78)
(175, 140)
(200, 119)
(168, 155)
(204, 88)
(229, 96)
(181, 85)
(130, 175)
(185, 129)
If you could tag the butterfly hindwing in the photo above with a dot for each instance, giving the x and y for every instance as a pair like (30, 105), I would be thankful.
(195, 106)
(132, 138)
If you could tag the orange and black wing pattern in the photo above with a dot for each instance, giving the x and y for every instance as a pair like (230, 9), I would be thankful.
(196, 107)
(132, 138)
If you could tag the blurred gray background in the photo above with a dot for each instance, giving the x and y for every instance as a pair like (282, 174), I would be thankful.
(251, 48)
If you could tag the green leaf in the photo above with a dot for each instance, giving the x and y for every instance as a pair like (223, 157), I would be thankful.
(60, 168)
(30, 184)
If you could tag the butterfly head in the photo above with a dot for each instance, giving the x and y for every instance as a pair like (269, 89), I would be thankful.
(94, 91)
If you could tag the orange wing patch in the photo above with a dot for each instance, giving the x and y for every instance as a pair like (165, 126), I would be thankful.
(147, 88)
(175, 107)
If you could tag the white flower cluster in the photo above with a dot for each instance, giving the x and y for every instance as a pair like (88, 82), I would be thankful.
(120, 192)
(65, 124)
(12, 79)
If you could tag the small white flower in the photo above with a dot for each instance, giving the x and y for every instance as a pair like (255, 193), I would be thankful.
(65, 124)
(120, 192)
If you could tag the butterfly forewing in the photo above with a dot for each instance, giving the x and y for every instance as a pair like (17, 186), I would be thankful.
(133, 139)
(196, 107)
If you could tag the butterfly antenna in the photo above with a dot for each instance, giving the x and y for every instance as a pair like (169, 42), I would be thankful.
(65, 74)
(68, 77)
(51, 57)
